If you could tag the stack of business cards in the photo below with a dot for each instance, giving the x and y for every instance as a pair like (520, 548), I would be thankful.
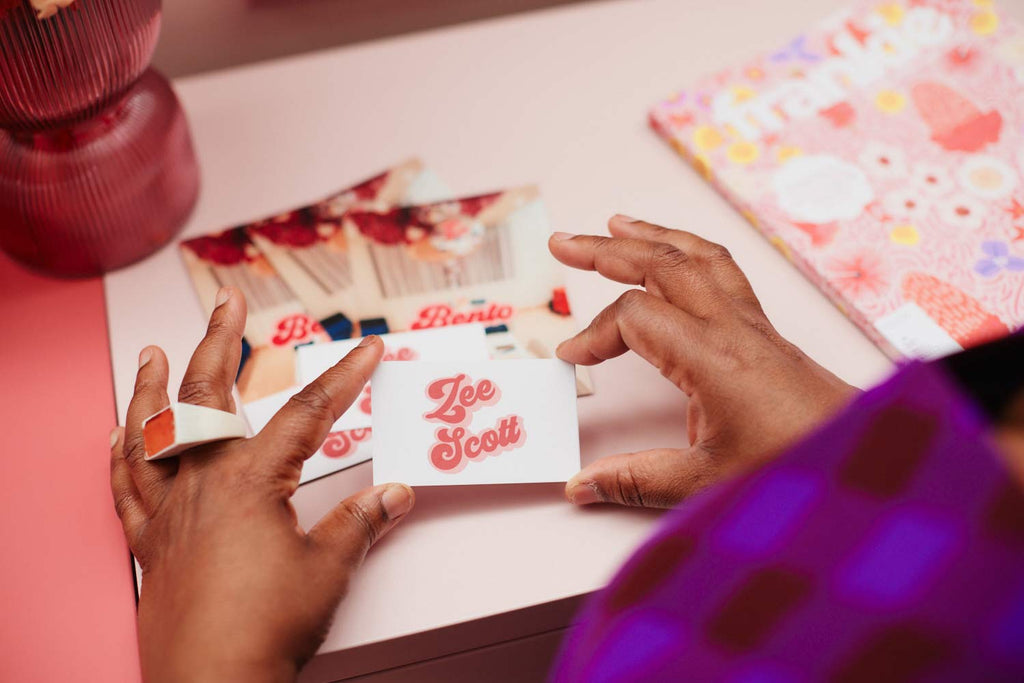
(390, 256)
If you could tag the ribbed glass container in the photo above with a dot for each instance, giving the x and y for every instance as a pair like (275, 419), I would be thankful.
(91, 197)
(96, 162)
(71, 66)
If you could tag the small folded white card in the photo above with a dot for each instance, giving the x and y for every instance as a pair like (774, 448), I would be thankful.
(468, 342)
(475, 422)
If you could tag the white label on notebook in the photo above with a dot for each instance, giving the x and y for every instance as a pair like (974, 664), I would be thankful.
(485, 422)
(914, 334)
(463, 342)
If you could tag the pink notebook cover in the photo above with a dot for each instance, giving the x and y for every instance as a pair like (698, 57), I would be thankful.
(882, 152)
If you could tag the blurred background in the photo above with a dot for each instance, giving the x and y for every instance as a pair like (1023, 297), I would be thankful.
(200, 35)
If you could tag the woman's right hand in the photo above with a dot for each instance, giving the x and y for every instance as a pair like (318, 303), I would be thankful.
(696, 318)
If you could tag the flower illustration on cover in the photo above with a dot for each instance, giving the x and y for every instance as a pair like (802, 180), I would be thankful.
(936, 124)
(817, 191)
(839, 115)
(890, 101)
(906, 202)
(962, 57)
(1012, 53)
(997, 258)
(985, 21)
(795, 51)
(956, 123)
(987, 177)
(859, 275)
(883, 161)
(932, 179)
(906, 235)
(962, 211)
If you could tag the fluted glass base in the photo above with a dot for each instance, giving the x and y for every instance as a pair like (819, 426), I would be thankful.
(100, 194)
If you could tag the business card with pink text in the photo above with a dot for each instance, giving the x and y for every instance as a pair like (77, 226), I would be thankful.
(465, 342)
(475, 422)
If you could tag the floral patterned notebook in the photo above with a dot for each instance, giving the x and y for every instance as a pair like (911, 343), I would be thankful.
(883, 154)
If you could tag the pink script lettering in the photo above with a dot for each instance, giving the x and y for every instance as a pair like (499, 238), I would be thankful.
(456, 398)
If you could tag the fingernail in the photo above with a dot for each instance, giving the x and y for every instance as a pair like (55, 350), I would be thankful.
(397, 501)
(583, 493)
(623, 218)
(561, 236)
(223, 294)
(113, 436)
(145, 357)
(368, 340)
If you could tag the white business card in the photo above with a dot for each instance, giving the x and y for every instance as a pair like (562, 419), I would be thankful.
(475, 422)
(342, 448)
(468, 342)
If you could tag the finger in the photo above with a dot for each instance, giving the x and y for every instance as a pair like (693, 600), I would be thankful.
(300, 427)
(347, 532)
(662, 269)
(211, 372)
(632, 228)
(661, 334)
(150, 396)
(127, 501)
(658, 478)
(722, 268)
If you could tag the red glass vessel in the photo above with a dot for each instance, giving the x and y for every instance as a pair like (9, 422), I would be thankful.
(100, 194)
(97, 168)
(72, 65)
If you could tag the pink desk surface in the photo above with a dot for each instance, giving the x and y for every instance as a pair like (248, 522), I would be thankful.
(68, 612)
(557, 97)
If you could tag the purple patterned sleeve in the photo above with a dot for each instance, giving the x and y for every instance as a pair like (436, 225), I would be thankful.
(888, 545)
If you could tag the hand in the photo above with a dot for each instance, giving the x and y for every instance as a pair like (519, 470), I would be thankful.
(751, 393)
(232, 587)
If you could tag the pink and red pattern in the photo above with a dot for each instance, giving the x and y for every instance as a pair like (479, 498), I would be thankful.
(885, 547)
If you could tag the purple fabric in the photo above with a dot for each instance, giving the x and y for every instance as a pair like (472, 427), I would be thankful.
(887, 546)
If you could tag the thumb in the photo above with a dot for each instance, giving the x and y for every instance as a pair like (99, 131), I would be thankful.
(658, 478)
(348, 531)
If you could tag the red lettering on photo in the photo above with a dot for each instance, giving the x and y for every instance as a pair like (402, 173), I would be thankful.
(294, 329)
(442, 315)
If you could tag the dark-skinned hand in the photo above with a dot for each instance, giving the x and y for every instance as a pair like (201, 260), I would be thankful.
(695, 317)
(232, 588)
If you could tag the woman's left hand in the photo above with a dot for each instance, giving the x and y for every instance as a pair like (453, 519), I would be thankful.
(696, 318)
(232, 587)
